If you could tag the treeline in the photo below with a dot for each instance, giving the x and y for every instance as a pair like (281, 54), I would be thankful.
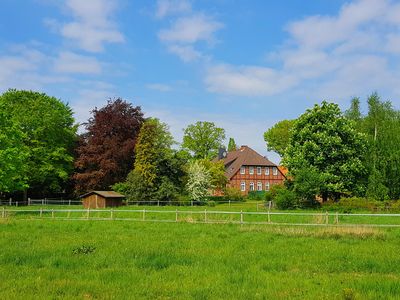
(43, 155)
(332, 154)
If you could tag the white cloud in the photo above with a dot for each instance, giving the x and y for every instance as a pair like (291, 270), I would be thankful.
(171, 7)
(189, 30)
(161, 87)
(246, 80)
(337, 55)
(68, 62)
(185, 53)
(92, 26)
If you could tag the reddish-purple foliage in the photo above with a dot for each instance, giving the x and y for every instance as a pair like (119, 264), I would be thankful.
(106, 151)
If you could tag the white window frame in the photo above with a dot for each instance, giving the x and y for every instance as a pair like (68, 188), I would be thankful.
(267, 186)
(251, 189)
(274, 171)
(243, 186)
(251, 170)
(259, 186)
(242, 170)
(266, 170)
(259, 170)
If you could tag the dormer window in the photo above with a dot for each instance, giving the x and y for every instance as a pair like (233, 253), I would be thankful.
(251, 170)
(258, 170)
(242, 170)
(274, 171)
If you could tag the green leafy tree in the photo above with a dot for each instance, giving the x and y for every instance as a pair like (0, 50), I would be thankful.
(326, 141)
(47, 133)
(12, 155)
(278, 136)
(217, 174)
(199, 181)
(203, 139)
(232, 145)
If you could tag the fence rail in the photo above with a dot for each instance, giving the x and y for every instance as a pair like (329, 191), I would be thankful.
(209, 216)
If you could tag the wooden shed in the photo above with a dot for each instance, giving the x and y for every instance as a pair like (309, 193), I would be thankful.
(101, 199)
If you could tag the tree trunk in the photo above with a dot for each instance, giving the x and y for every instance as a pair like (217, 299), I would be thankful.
(25, 196)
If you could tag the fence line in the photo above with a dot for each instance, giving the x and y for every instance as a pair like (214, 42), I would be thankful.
(204, 216)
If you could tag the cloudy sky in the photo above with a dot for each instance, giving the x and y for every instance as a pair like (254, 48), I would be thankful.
(243, 64)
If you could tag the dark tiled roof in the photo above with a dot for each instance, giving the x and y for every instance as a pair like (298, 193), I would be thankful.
(105, 194)
(245, 156)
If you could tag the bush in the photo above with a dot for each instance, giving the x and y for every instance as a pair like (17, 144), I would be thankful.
(232, 194)
(286, 199)
(347, 205)
(256, 195)
(211, 203)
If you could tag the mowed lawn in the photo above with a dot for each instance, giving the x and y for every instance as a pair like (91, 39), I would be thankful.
(45, 259)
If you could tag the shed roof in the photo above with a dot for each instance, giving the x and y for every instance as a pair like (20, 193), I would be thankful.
(104, 194)
(245, 156)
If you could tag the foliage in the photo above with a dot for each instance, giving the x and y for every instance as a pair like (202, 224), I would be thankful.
(306, 185)
(158, 170)
(199, 181)
(323, 140)
(42, 130)
(233, 194)
(106, 150)
(256, 195)
(12, 155)
(217, 174)
(286, 198)
(381, 127)
(232, 145)
(278, 136)
(349, 204)
(203, 139)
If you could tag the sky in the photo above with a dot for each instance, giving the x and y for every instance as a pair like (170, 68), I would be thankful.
(242, 64)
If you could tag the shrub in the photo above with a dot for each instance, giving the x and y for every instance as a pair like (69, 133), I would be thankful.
(233, 194)
(286, 199)
(347, 205)
(211, 203)
(256, 195)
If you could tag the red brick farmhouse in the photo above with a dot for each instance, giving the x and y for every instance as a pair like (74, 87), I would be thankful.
(248, 171)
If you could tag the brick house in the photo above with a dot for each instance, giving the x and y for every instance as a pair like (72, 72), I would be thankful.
(248, 171)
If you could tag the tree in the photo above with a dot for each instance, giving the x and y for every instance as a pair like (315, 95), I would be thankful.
(203, 139)
(232, 145)
(12, 155)
(106, 152)
(158, 169)
(322, 139)
(218, 179)
(278, 136)
(44, 131)
(199, 181)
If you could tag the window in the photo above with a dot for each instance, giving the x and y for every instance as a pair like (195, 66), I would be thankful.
(258, 170)
(242, 170)
(259, 186)
(243, 186)
(266, 170)
(251, 186)
(267, 186)
(274, 171)
(251, 170)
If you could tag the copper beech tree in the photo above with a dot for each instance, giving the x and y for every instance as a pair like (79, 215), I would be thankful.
(105, 154)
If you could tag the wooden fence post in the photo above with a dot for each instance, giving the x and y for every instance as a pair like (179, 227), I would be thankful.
(337, 218)
(29, 201)
(229, 202)
(10, 201)
(41, 213)
(144, 214)
(88, 213)
(3, 214)
(205, 215)
(241, 217)
(16, 203)
(52, 213)
(69, 202)
(69, 213)
(176, 215)
(111, 213)
(326, 218)
(269, 217)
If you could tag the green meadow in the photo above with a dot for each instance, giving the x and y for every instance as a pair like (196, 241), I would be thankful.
(89, 259)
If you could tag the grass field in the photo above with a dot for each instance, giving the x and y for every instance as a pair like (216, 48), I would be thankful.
(55, 259)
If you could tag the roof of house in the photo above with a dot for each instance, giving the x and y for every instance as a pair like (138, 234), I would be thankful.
(104, 194)
(245, 156)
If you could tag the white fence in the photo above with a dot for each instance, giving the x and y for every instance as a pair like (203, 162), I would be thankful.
(210, 216)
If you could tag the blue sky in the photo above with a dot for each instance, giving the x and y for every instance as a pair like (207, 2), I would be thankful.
(243, 64)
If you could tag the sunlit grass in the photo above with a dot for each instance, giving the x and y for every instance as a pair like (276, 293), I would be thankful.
(43, 259)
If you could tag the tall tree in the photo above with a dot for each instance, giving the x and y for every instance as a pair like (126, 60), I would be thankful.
(44, 126)
(106, 153)
(232, 145)
(277, 137)
(203, 139)
(326, 142)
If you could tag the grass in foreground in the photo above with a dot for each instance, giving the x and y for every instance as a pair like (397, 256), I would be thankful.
(43, 259)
